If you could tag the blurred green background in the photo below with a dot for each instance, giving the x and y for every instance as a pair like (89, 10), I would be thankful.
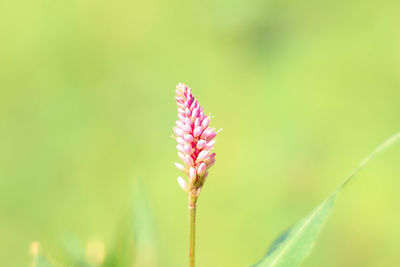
(302, 89)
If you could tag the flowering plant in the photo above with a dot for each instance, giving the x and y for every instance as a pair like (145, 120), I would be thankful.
(195, 141)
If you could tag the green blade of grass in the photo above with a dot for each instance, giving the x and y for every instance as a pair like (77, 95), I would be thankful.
(293, 246)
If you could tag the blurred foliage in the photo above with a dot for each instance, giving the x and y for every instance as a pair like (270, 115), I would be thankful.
(295, 244)
(303, 90)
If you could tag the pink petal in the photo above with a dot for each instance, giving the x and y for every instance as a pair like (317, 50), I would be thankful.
(182, 183)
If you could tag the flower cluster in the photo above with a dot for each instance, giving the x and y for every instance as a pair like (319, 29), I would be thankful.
(195, 140)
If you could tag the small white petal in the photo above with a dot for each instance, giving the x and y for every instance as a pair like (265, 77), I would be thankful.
(181, 167)
(181, 156)
(182, 183)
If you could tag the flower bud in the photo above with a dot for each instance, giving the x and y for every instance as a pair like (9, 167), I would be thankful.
(182, 183)
(201, 115)
(197, 123)
(195, 113)
(210, 144)
(181, 156)
(193, 105)
(201, 144)
(197, 131)
(202, 155)
(210, 163)
(206, 133)
(201, 169)
(178, 131)
(192, 175)
(205, 123)
(181, 167)
(188, 138)
(188, 121)
(180, 140)
(211, 136)
(188, 160)
(179, 124)
(180, 148)
(187, 148)
(186, 128)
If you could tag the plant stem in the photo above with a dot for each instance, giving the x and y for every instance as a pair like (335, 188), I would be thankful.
(192, 222)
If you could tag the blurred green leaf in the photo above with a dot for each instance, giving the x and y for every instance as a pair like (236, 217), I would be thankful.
(134, 244)
(39, 258)
(143, 230)
(42, 261)
(292, 247)
(120, 253)
(75, 250)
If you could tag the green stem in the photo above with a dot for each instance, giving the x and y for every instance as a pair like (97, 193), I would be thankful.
(192, 222)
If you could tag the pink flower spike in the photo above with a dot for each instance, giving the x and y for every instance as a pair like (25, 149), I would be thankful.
(194, 138)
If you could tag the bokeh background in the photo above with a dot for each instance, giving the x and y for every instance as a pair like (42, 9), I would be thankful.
(302, 89)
